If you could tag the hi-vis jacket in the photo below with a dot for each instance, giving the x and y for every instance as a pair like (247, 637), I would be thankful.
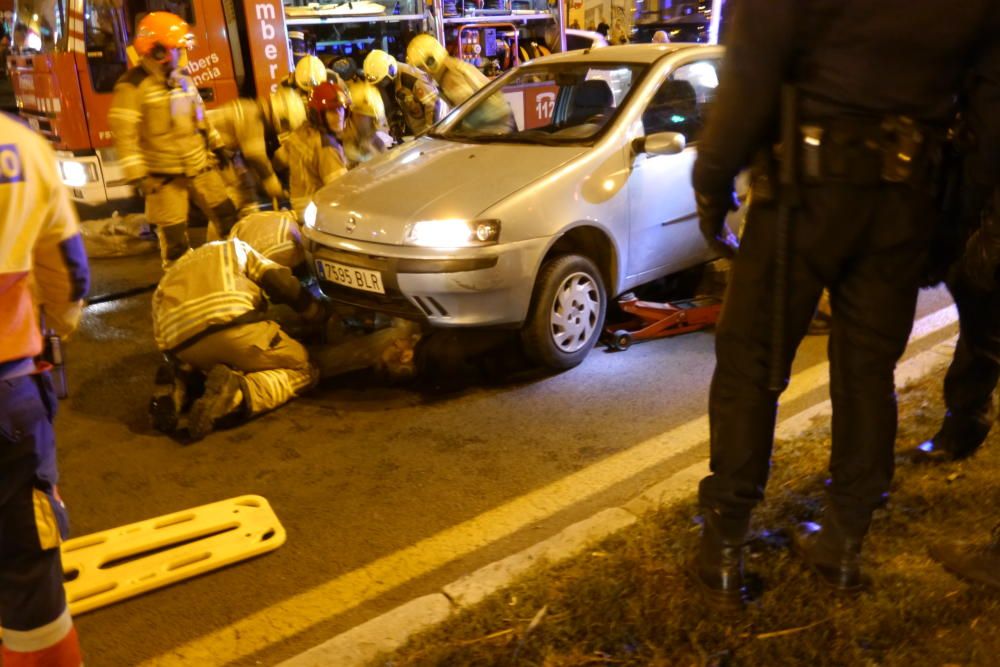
(313, 159)
(214, 286)
(241, 127)
(274, 234)
(42, 259)
(459, 80)
(159, 123)
(417, 97)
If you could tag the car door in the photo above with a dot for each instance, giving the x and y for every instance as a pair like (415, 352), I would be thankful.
(664, 234)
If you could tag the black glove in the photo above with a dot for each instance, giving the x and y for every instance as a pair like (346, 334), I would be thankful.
(712, 212)
(981, 258)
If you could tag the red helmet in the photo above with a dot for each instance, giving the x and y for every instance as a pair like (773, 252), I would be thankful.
(328, 97)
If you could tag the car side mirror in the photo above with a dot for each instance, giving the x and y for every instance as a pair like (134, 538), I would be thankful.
(660, 143)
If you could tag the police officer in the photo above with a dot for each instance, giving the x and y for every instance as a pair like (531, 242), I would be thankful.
(162, 137)
(413, 92)
(975, 369)
(873, 103)
(42, 265)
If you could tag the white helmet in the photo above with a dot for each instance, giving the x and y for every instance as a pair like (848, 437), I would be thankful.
(379, 65)
(286, 110)
(309, 73)
(426, 53)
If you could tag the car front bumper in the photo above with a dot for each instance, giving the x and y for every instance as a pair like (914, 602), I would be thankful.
(467, 287)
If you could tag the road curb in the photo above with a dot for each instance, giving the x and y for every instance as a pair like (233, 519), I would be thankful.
(362, 644)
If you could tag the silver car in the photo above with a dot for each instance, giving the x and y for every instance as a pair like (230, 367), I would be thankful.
(562, 182)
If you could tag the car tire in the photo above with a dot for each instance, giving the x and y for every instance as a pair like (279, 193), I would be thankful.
(566, 314)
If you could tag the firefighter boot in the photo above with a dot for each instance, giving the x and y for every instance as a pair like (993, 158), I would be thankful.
(834, 557)
(223, 396)
(978, 563)
(169, 396)
(717, 568)
(959, 438)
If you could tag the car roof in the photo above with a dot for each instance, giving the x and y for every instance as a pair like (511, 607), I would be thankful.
(626, 53)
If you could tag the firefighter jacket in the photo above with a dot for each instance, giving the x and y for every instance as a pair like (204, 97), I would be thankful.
(159, 124)
(459, 81)
(274, 234)
(313, 159)
(826, 48)
(241, 127)
(218, 285)
(417, 97)
(42, 259)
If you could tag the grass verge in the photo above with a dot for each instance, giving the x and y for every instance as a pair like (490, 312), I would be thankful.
(628, 602)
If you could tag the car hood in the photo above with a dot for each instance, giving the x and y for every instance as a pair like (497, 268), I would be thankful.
(429, 179)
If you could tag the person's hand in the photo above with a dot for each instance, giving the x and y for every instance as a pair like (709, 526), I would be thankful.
(712, 212)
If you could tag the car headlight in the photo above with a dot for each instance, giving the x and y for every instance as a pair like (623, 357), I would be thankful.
(454, 233)
(77, 174)
(309, 216)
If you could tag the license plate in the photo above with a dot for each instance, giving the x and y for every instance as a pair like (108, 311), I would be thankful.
(350, 276)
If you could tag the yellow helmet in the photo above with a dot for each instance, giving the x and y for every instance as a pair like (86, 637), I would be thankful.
(367, 101)
(309, 73)
(379, 65)
(286, 110)
(426, 53)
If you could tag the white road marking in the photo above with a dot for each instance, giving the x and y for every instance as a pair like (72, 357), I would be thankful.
(304, 610)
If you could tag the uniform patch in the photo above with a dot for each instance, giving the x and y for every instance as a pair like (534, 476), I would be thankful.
(11, 169)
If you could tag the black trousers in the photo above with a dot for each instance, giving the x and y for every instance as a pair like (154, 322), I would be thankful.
(868, 246)
(975, 368)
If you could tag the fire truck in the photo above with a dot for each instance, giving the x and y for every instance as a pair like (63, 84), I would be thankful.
(68, 54)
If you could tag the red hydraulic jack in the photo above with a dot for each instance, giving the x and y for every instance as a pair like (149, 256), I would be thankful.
(659, 320)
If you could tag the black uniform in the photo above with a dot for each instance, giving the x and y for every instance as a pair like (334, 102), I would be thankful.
(856, 65)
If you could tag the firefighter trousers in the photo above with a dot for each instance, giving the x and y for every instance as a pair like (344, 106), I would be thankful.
(37, 628)
(867, 245)
(168, 202)
(975, 369)
(275, 367)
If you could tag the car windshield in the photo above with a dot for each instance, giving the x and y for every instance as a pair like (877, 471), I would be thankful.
(553, 104)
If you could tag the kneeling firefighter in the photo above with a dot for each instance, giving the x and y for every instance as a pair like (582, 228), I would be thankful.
(163, 139)
(209, 312)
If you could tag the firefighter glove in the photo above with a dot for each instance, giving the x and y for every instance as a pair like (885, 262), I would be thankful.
(712, 212)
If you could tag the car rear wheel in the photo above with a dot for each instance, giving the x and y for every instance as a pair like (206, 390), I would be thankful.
(567, 312)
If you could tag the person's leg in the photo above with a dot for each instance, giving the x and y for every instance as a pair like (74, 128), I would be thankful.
(37, 627)
(209, 192)
(167, 208)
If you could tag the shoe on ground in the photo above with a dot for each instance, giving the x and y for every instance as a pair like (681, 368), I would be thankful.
(977, 563)
(835, 560)
(958, 439)
(223, 396)
(717, 568)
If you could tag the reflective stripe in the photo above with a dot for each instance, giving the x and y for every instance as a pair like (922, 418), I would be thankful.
(39, 639)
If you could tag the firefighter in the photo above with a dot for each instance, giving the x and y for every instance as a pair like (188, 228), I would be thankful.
(250, 127)
(163, 141)
(365, 134)
(458, 80)
(209, 312)
(412, 91)
(862, 219)
(42, 266)
(313, 155)
(309, 72)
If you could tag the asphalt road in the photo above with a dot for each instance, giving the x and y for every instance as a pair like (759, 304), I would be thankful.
(356, 471)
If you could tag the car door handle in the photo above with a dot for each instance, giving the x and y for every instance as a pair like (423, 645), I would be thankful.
(683, 218)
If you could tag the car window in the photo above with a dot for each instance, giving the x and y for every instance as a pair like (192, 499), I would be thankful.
(547, 103)
(682, 101)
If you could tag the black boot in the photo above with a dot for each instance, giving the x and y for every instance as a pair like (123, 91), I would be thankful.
(979, 563)
(835, 558)
(717, 569)
(959, 438)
